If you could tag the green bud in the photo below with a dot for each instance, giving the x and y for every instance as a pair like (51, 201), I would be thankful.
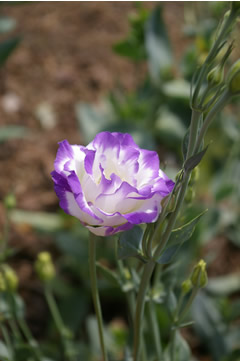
(189, 195)
(194, 176)
(2, 283)
(233, 78)
(127, 274)
(45, 267)
(8, 279)
(186, 286)
(215, 76)
(10, 201)
(199, 275)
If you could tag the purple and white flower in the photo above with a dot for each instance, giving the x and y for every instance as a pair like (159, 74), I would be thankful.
(111, 184)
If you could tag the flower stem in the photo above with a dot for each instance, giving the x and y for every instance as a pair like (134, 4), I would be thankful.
(147, 273)
(188, 304)
(95, 294)
(64, 333)
(155, 329)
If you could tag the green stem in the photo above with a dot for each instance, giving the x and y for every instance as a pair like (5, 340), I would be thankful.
(7, 340)
(147, 273)
(188, 304)
(172, 344)
(155, 329)
(58, 321)
(193, 132)
(95, 294)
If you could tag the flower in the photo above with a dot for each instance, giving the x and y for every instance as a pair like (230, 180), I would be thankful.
(111, 184)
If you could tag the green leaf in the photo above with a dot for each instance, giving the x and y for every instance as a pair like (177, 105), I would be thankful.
(5, 353)
(177, 238)
(209, 325)
(130, 243)
(224, 285)
(193, 161)
(7, 47)
(12, 132)
(225, 191)
(40, 220)
(182, 350)
(130, 48)
(93, 119)
(177, 88)
(6, 24)
(158, 46)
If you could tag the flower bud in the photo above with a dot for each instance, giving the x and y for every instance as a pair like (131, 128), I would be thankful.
(215, 76)
(199, 275)
(2, 283)
(189, 195)
(186, 286)
(45, 267)
(194, 176)
(233, 78)
(8, 279)
(10, 201)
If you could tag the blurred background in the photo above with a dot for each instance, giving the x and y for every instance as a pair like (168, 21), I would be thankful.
(70, 70)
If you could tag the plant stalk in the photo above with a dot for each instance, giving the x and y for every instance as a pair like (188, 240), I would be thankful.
(95, 294)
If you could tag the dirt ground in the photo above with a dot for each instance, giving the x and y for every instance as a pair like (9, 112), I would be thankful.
(64, 57)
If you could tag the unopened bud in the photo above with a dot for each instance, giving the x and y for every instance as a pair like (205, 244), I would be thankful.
(190, 194)
(199, 275)
(215, 76)
(45, 267)
(186, 286)
(194, 176)
(10, 201)
(233, 78)
(8, 279)
(2, 283)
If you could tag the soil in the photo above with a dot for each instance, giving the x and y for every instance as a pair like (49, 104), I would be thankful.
(65, 56)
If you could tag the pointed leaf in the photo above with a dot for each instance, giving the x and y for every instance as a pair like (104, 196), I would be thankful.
(130, 243)
(193, 161)
(158, 45)
(182, 234)
(177, 238)
(7, 47)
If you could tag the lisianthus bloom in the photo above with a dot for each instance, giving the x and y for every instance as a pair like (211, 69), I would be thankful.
(111, 184)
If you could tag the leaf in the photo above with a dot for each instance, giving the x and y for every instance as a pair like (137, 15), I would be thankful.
(12, 132)
(224, 285)
(182, 350)
(177, 88)
(177, 238)
(209, 325)
(130, 48)
(6, 24)
(158, 47)
(7, 47)
(130, 243)
(40, 220)
(93, 119)
(5, 353)
(194, 160)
